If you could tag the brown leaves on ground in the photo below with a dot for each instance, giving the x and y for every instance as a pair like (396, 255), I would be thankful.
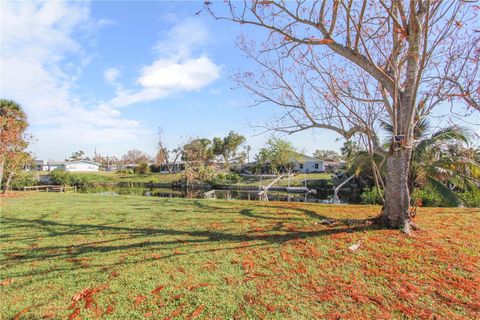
(82, 262)
(139, 299)
(22, 312)
(86, 295)
(158, 289)
(7, 282)
(196, 312)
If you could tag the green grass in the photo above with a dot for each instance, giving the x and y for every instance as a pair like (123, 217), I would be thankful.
(295, 181)
(90, 256)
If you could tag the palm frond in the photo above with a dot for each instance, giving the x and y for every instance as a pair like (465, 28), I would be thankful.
(443, 191)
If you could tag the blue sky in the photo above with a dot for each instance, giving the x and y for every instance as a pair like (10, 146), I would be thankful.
(107, 75)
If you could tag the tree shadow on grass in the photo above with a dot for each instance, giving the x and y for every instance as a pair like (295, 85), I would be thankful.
(147, 240)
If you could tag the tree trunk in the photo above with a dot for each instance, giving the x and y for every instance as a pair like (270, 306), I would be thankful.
(397, 195)
(2, 166)
(6, 186)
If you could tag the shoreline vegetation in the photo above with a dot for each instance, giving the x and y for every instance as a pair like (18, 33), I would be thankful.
(322, 183)
(88, 256)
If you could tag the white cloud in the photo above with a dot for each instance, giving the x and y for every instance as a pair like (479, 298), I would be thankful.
(111, 75)
(37, 38)
(183, 39)
(179, 67)
(170, 75)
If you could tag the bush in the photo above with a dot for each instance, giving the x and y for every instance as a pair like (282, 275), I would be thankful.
(370, 196)
(23, 179)
(226, 178)
(155, 168)
(64, 178)
(471, 198)
(127, 171)
(142, 168)
(428, 197)
(61, 177)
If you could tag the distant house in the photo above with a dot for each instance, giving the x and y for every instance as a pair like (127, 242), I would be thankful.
(40, 165)
(81, 165)
(308, 164)
(300, 163)
(69, 166)
(332, 166)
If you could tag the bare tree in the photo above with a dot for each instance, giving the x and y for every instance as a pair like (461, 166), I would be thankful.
(347, 66)
(168, 157)
(135, 156)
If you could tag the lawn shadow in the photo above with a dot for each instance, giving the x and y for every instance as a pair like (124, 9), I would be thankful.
(154, 239)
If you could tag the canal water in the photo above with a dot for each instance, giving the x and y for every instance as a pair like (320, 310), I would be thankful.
(223, 194)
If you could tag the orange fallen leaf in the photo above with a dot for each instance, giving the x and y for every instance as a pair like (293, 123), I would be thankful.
(197, 312)
(74, 314)
(138, 299)
(109, 309)
(7, 282)
(158, 289)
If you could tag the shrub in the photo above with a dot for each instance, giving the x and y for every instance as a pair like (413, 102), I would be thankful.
(198, 173)
(155, 168)
(81, 182)
(61, 177)
(142, 168)
(23, 179)
(127, 171)
(471, 198)
(370, 196)
(226, 178)
(67, 179)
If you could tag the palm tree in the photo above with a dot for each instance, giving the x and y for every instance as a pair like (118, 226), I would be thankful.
(444, 161)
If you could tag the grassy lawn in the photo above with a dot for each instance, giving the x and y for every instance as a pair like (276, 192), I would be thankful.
(125, 257)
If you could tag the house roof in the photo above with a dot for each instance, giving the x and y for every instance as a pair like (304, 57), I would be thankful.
(61, 163)
(86, 161)
(55, 163)
(308, 158)
(302, 157)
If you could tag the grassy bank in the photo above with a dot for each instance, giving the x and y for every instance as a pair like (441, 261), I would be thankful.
(88, 256)
(113, 177)
(169, 178)
(295, 181)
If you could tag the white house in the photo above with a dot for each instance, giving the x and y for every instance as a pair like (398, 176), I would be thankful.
(70, 166)
(307, 164)
(40, 165)
(299, 163)
(81, 165)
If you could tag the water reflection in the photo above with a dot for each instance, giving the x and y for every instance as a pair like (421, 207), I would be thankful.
(220, 194)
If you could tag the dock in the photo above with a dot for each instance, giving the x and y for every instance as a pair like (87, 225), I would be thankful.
(50, 188)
